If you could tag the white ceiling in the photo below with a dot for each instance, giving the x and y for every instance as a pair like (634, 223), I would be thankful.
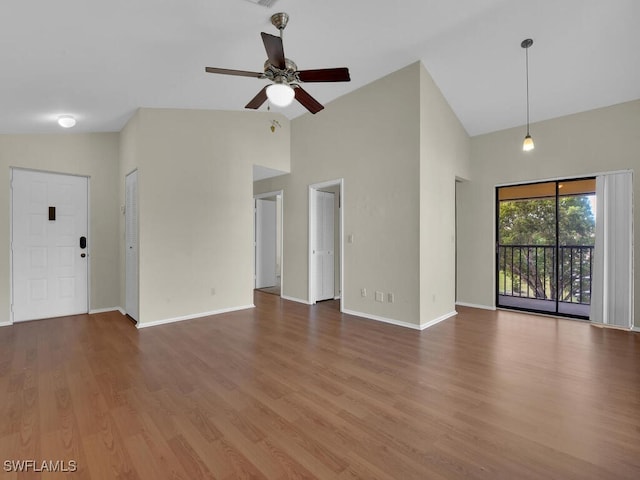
(101, 60)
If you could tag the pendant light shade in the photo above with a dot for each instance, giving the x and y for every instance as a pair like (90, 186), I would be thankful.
(527, 145)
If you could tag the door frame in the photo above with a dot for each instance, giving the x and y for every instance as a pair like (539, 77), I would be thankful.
(280, 234)
(89, 243)
(496, 233)
(312, 225)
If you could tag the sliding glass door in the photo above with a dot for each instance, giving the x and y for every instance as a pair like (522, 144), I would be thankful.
(544, 253)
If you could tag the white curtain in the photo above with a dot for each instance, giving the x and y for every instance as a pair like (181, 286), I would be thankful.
(612, 275)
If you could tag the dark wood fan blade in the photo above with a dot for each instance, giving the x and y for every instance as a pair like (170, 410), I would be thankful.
(307, 101)
(274, 48)
(239, 73)
(258, 100)
(325, 75)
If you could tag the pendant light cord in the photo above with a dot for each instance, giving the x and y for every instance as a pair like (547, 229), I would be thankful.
(527, 70)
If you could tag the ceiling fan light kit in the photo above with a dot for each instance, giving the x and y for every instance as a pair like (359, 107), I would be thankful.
(284, 74)
(280, 94)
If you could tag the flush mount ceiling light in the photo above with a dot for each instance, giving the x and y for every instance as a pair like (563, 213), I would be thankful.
(527, 145)
(66, 121)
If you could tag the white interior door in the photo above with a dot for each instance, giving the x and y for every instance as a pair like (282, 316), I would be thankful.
(266, 240)
(49, 259)
(131, 245)
(323, 246)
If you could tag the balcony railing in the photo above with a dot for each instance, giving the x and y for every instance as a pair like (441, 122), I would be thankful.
(529, 271)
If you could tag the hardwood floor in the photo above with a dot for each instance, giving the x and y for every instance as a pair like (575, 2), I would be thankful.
(291, 391)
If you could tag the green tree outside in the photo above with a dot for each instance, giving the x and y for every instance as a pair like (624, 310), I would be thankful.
(527, 254)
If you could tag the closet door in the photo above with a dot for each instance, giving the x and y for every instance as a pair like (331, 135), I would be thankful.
(323, 249)
(131, 246)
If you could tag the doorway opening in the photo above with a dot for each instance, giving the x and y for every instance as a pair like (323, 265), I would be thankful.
(326, 245)
(545, 242)
(268, 242)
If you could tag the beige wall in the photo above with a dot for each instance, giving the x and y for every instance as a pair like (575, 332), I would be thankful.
(583, 144)
(444, 155)
(196, 205)
(94, 155)
(370, 138)
(399, 147)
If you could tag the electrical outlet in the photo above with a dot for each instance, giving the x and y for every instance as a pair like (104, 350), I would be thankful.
(363, 292)
(390, 297)
(379, 297)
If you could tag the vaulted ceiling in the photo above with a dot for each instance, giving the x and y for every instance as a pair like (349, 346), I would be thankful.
(100, 61)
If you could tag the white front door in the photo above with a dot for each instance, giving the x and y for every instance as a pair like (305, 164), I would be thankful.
(266, 239)
(131, 301)
(323, 246)
(49, 244)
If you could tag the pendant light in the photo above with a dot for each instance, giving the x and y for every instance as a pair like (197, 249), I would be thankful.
(527, 145)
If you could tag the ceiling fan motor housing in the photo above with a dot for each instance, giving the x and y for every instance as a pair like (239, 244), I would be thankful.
(286, 75)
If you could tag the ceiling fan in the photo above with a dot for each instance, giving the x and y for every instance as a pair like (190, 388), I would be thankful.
(284, 74)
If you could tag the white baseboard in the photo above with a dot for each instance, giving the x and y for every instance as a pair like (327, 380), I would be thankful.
(297, 300)
(475, 305)
(378, 318)
(442, 318)
(165, 321)
(6, 324)
(105, 310)
(633, 329)
(400, 323)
